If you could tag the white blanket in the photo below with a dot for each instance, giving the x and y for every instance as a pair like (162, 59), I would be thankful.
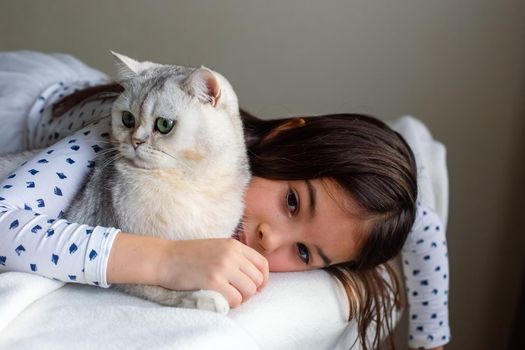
(295, 311)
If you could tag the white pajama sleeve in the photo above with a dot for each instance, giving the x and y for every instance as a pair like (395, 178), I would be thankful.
(33, 236)
(425, 266)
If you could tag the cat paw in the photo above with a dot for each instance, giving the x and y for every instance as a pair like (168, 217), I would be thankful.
(206, 300)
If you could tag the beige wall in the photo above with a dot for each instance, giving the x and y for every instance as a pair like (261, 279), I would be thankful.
(457, 65)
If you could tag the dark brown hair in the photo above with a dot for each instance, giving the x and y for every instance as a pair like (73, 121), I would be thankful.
(370, 162)
(374, 165)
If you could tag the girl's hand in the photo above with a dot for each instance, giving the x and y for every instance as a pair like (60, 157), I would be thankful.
(224, 265)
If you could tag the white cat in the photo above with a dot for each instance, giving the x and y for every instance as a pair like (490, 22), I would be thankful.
(178, 169)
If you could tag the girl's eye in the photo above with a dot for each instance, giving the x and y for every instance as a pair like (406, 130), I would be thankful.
(128, 119)
(164, 125)
(292, 202)
(303, 252)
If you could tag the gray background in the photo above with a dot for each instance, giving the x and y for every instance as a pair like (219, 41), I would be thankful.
(457, 65)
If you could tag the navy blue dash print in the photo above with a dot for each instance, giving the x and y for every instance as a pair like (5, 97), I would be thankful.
(415, 293)
(425, 303)
(406, 262)
(61, 214)
(444, 337)
(33, 267)
(40, 203)
(33, 171)
(50, 151)
(36, 228)
(445, 276)
(54, 259)
(72, 248)
(20, 249)
(57, 135)
(72, 277)
(27, 207)
(72, 141)
(420, 241)
(30, 184)
(430, 337)
(106, 135)
(75, 147)
(91, 164)
(50, 221)
(57, 191)
(8, 186)
(420, 328)
(87, 132)
(95, 283)
(70, 161)
(41, 111)
(424, 283)
(89, 231)
(11, 176)
(50, 232)
(2, 199)
(426, 257)
(437, 228)
(92, 254)
(41, 98)
(434, 291)
(433, 245)
(70, 126)
(440, 323)
(433, 316)
(437, 268)
(96, 148)
(13, 225)
(43, 161)
(426, 228)
(2, 260)
(415, 272)
(61, 176)
(414, 317)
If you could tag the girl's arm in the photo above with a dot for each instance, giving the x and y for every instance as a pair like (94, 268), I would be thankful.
(425, 266)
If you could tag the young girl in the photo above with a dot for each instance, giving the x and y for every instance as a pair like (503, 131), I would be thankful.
(336, 192)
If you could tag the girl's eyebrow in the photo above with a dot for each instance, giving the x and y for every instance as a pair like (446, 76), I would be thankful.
(326, 260)
(312, 197)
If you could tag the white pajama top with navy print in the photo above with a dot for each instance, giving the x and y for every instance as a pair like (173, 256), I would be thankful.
(35, 239)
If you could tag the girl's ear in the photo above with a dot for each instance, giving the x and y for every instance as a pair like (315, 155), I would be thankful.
(287, 125)
(128, 68)
(203, 84)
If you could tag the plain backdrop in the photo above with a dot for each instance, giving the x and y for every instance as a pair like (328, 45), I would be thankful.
(458, 65)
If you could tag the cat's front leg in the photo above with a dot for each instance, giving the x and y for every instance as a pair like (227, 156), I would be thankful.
(202, 299)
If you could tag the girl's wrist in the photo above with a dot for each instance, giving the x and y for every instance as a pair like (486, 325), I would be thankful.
(136, 259)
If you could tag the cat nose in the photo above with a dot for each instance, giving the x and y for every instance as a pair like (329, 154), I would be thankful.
(136, 142)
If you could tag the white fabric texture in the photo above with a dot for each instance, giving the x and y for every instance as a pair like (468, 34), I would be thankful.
(288, 314)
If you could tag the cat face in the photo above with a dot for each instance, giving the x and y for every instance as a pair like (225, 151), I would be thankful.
(173, 117)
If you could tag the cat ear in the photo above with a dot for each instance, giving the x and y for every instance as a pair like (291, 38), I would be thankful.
(127, 68)
(203, 84)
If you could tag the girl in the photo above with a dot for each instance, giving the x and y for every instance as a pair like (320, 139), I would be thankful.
(336, 192)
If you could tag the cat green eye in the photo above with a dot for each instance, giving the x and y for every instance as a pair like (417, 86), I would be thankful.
(164, 125)
(128, 119)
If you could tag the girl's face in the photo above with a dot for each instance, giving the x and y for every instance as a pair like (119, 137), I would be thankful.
(300, 225)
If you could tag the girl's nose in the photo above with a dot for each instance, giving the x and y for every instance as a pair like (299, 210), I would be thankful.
(269, 238)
